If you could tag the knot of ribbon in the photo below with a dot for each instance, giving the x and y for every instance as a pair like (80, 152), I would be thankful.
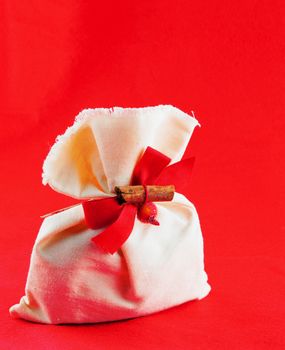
(118, 217)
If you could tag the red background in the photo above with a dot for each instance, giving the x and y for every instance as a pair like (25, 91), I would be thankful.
(222, 59)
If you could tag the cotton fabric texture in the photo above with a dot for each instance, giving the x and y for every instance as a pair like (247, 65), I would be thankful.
(70, 279)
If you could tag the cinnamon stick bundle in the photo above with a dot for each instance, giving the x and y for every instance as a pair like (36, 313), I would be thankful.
(137, 194)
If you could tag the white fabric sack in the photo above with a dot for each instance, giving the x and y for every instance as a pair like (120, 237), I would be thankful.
(72, 281)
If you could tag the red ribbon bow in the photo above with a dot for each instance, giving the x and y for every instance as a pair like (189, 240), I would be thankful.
(152, 169)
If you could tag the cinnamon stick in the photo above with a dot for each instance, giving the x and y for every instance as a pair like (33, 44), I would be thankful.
(137, 194)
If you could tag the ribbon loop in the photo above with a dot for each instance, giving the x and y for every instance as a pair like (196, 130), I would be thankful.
(178, 174)
(101, 212)
(149, 167)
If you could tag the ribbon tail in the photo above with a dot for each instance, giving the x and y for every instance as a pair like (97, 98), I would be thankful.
(101, 212)
(149, 167)
(178, 174)
(115, 235)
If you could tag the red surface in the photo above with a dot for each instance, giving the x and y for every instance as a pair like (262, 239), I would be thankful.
(222, 59)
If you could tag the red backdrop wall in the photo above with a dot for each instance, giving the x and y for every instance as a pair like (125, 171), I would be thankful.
(222, 59)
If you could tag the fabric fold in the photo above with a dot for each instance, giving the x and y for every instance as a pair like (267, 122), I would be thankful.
(102, 147)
